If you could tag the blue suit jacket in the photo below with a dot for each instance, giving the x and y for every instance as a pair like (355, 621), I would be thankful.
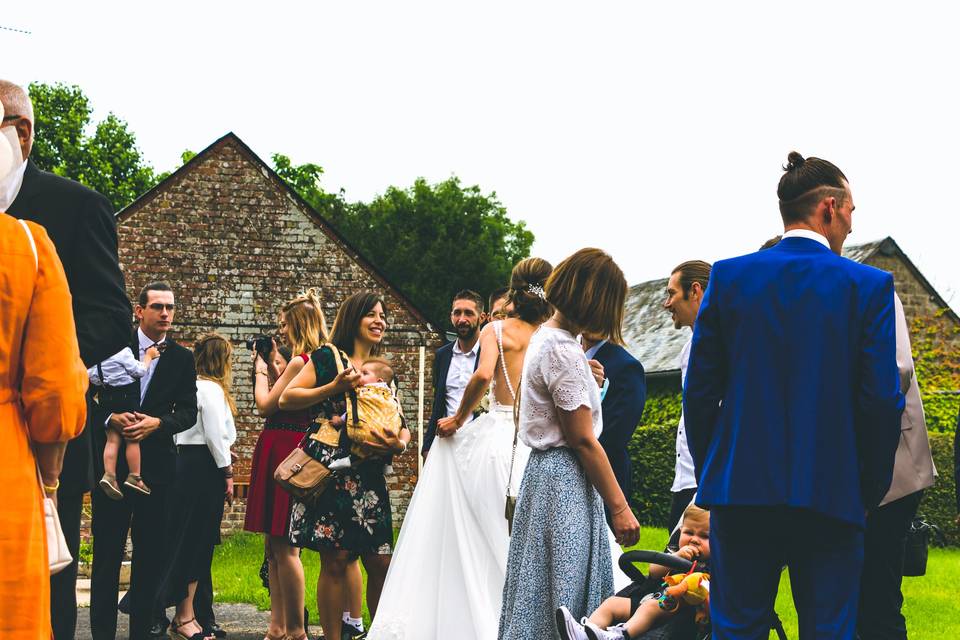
(792, 394)
(441, 367)
(622, 408)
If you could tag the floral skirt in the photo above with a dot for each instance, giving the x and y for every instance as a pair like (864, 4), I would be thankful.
(352, 514)
(559, 550)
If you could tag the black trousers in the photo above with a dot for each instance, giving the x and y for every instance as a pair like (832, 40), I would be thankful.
(879, 616)
(63, 585)
(680, 501)
(145, 518)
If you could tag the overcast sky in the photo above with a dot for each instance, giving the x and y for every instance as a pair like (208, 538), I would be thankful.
(653, 130)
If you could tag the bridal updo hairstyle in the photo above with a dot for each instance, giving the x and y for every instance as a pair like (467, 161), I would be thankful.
(805, 183)
(589, 289)
(526, 294)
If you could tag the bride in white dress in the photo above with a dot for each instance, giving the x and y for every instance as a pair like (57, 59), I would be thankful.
(447, 573)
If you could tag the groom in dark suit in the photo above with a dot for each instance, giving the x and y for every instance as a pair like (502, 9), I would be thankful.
(168, 406)
(455, 362)
(624, 393)
(792, 407)
(81, 225)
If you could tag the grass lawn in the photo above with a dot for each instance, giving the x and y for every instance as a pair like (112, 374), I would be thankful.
(931, 606)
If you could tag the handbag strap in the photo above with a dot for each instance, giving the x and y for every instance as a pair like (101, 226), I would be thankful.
(516, 432)
(36, 265)
(338, 357)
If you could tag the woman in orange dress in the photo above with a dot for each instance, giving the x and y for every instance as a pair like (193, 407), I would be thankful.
(42, 386)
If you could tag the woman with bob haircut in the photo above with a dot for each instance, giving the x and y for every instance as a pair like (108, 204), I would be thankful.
(351, 518)
(303, 328)
(560, 550)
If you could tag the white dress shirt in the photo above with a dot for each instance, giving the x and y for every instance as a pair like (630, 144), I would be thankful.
(146, 343)
(214, 427)
(805, 233)
(684, 476)
(462, 366)
(118, 370)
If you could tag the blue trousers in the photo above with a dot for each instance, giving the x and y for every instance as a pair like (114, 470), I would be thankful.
(749, 546)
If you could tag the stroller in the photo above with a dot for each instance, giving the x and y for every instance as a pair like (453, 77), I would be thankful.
(681, 626)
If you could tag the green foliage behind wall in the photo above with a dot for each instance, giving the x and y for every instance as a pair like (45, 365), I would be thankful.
(652, 451)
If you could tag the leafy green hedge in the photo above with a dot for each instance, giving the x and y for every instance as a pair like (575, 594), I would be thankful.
(652, 451)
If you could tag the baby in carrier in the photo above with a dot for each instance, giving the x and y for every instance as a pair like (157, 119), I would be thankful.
(375, 406)
(117, 382)
(620, 618)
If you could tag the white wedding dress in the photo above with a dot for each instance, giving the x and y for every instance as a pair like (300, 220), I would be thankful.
(447, 573)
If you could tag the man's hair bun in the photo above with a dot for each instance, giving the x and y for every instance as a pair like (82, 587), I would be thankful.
(794, 161)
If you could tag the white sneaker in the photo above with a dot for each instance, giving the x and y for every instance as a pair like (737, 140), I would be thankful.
(596, 633)
(568, 627)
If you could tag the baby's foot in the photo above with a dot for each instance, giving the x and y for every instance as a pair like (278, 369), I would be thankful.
(136, 483)
(109, 485)
(340, 463)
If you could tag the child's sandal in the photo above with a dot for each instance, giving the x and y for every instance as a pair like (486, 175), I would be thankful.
(109, 485)
(136, 483)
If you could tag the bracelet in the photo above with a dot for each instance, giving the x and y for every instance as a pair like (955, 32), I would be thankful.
(619, 511)
(52, 489)
(228, 474)
(263, 373)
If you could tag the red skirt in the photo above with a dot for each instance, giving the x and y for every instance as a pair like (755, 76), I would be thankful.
(268, 505)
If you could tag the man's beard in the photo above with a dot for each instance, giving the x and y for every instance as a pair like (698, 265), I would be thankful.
(466, 332)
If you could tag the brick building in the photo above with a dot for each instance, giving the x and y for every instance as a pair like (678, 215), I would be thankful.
(235, 242)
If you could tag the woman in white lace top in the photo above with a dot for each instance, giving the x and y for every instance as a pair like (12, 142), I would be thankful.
(559, 550)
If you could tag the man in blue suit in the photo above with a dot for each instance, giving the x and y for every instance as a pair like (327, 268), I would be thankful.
(455, 362)
(792, 406)
(624, 394)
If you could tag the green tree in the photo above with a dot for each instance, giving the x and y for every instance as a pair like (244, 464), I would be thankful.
(430, 239)
(104, 156)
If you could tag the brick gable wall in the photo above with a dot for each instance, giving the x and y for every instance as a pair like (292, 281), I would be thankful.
(235, 245)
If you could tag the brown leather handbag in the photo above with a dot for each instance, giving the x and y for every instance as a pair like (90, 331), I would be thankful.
(300, 474)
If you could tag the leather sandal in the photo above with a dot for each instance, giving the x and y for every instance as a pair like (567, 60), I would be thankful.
(109, 485)
(136, 483)
(176, 635)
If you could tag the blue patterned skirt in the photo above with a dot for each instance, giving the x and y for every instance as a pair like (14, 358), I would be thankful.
(559, 550)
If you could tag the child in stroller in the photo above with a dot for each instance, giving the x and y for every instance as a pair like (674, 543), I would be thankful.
(635, 611)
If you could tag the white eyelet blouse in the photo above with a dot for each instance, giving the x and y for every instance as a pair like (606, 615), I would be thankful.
(555, 375)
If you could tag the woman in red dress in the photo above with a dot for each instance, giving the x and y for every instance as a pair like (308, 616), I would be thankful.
(304, 329)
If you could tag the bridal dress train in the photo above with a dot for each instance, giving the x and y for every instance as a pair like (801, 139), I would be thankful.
(448, 569)
(447, 573)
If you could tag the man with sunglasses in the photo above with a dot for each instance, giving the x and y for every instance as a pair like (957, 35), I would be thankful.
(81, 224)
(168, 405)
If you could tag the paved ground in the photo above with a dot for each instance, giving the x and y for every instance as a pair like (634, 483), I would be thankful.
(241, 621)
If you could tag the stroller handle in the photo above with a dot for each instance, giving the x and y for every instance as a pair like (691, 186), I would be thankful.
(668, 560)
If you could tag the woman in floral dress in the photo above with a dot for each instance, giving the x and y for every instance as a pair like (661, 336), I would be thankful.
(352, 518)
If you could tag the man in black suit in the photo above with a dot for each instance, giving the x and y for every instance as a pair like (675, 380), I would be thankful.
(168, 405)
(455, 362)
(81, 225)
(624, 394)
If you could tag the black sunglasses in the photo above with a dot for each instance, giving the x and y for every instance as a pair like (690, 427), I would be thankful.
(159, 306)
